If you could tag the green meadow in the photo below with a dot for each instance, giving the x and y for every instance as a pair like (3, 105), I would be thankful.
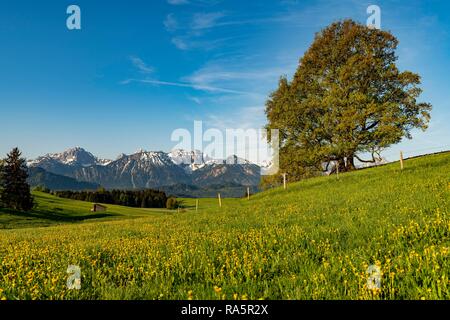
(51, 210)
(315, 240)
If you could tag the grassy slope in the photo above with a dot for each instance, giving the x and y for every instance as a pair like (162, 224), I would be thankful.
(313, 241)
(52, 210)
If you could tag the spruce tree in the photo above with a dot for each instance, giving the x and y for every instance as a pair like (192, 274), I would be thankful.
(1, 183)
(15, 191)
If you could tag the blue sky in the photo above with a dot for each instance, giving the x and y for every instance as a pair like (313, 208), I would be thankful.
(140, 69)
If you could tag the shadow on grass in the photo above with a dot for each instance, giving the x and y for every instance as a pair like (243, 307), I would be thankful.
(183, 205)
(57, 217)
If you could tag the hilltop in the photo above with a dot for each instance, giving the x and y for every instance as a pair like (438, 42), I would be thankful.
(51, 210)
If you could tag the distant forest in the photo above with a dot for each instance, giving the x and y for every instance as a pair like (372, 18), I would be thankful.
(138, 199)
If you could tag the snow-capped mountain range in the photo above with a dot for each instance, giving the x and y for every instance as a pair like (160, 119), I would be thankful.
(74, 156)
(149, 169)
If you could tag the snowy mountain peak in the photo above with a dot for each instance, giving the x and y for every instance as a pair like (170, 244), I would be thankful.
(236, 160)
(76, 156)
(147, 169)
(138, 151)
(120, 156)
(184, 157)
(156, 158)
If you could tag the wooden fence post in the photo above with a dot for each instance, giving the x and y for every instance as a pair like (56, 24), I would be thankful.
(401, 160)
(284, 181)
(248, 193)
(196, 205)
(220, 201)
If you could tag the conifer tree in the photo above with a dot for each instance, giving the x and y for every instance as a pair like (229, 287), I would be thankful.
(15, 191)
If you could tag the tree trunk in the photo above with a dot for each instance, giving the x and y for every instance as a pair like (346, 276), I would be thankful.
(345, 164)
(350, 163)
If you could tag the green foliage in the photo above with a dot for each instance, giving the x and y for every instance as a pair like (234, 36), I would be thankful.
(15, 191)
(172, 204)
(140, 199)
(51, 210)
(42, 189)
(347, 98)
(1, 180)
(314, 240)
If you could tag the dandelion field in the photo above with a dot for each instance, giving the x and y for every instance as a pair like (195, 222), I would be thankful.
(315, 240)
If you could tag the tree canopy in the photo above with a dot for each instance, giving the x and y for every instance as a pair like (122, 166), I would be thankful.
(131, 198)
(347, 99)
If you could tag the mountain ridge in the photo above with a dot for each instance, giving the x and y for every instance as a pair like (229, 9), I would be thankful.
(149, 169)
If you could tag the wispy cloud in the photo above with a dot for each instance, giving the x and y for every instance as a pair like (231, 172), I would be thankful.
(201, 3)
(192, 29)
(202, 21)
(211, 89)
(177, 2)
(171, 22)
(188, 43)
(141, 65)
(196, 100)
(252, 117)
(214, 74)
(236, 75)
(180, 43)
(195, 29)
(219, 77)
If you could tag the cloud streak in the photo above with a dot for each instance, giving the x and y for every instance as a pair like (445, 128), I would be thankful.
(177, 2)
(141, 65)
(252, 117)
(235, 74)
(206, 88)
(202, 21)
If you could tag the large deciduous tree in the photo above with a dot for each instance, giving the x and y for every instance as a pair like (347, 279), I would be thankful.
(14, 190)
(346, 99)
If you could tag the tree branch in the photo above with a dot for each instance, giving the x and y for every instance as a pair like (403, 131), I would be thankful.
(372, 125)
(366, 161)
